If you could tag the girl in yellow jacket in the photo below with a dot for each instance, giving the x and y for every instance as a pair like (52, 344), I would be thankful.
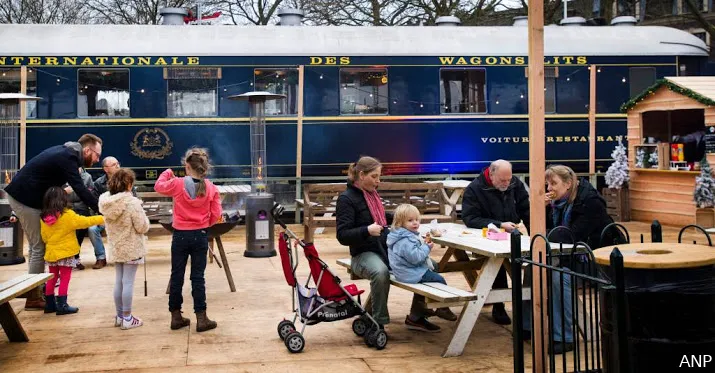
(58, 227)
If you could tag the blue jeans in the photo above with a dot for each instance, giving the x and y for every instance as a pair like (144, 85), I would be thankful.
(185, 244)
(95, 236)
(432, 276)
(556, 299)
(419, 304)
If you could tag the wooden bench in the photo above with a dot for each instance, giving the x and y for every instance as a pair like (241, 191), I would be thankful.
(319, 201)
(436, 294)
(10, 290)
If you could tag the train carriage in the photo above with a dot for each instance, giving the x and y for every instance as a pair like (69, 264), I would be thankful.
(425, 100)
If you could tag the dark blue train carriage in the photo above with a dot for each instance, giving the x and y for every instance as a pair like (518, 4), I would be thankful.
(424, 100)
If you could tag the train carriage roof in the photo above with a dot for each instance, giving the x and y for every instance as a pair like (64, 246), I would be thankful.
(224, 40)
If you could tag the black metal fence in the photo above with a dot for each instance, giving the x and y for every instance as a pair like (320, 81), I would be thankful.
(585, 314)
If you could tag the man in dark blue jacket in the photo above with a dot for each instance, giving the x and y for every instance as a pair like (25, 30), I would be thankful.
(55, 166)
(496, 197)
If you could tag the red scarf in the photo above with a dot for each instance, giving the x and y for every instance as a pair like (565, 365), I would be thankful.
(374, 204)
(486, 177)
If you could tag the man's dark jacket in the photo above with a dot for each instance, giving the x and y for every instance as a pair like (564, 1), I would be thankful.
(100, 186)
(55, 166)
(483, 203)
(353, 217)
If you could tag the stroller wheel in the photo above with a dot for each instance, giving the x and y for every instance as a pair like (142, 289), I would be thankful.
(359, 327)
(368, 340)
(294, 342)
(379, 339)
(285, 327)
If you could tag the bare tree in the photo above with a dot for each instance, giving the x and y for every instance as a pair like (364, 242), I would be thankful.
(364, 12)
(43, 11)
(257, 12)
(130, 11)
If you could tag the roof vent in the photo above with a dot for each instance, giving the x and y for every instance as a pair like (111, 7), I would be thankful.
(624, 21)
(573, 21)
(521, 21)
(448, 21)
(173, 16)
(291, 17)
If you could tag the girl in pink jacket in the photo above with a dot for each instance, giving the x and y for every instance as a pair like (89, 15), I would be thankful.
(197, 206)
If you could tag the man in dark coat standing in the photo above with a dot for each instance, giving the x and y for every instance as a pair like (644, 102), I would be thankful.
(499, 198)
(55, 166)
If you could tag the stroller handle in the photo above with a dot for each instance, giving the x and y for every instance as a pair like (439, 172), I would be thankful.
(276, 212)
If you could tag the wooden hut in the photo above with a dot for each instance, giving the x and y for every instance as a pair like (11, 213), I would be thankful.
(661, 187)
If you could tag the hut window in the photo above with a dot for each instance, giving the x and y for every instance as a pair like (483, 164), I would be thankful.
(10, 83)
(363, 91)
(103, 92)
(278, 81)
(463, 90)
(192, 92)
(640, 79)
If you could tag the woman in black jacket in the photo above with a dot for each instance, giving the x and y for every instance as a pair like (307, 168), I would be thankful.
(362, 225)
(577, 205)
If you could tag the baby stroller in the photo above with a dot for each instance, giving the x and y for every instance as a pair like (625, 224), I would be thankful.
(328, 301)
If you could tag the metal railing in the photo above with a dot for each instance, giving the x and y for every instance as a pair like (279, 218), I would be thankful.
(585, 312)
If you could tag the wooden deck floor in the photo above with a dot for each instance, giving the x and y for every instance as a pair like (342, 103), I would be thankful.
(246, 338)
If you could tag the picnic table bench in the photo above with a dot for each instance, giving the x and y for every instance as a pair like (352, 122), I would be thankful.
(319, 202)
(10, 290)
(436, 294)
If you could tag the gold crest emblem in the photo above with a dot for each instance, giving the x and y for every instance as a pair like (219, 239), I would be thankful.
(151, 143)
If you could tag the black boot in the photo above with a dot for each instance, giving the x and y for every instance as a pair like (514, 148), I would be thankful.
(50, 306)
(62, 307)
(499, 314)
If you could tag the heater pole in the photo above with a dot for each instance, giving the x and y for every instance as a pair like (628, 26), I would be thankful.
(299, 141)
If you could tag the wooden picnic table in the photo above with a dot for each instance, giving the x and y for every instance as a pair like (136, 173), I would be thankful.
(489, 256)
(457, 188)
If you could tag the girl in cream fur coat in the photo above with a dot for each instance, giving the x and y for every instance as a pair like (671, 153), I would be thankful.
(126, 223)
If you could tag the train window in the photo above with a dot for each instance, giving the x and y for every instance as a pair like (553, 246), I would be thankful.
(363, 91)
(10, 83)
(103, 92)
(463, 90)
(551, 73)
(278, 81)
(640, 79)
(192, 92)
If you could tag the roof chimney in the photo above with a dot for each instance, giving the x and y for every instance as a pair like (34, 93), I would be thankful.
(521, 21)
(573, 21)
(290, 17)
(624, 21)
(448, 21)
(173, 16)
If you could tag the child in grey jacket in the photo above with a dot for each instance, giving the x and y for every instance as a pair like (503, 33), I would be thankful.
(408, 256)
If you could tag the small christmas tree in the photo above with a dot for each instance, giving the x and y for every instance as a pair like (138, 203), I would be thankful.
(617, 174)
(704, 186)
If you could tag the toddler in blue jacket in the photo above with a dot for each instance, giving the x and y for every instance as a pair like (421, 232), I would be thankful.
(408, 256)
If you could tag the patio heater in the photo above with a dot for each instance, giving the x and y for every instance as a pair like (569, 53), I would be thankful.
(10, 232)
(259, 224)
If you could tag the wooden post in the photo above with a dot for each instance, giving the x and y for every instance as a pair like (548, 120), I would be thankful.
(299, 140)
(537, 165)
(592, 123)
(23, 116)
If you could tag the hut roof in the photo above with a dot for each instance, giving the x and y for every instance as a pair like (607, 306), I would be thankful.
(698, 88)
